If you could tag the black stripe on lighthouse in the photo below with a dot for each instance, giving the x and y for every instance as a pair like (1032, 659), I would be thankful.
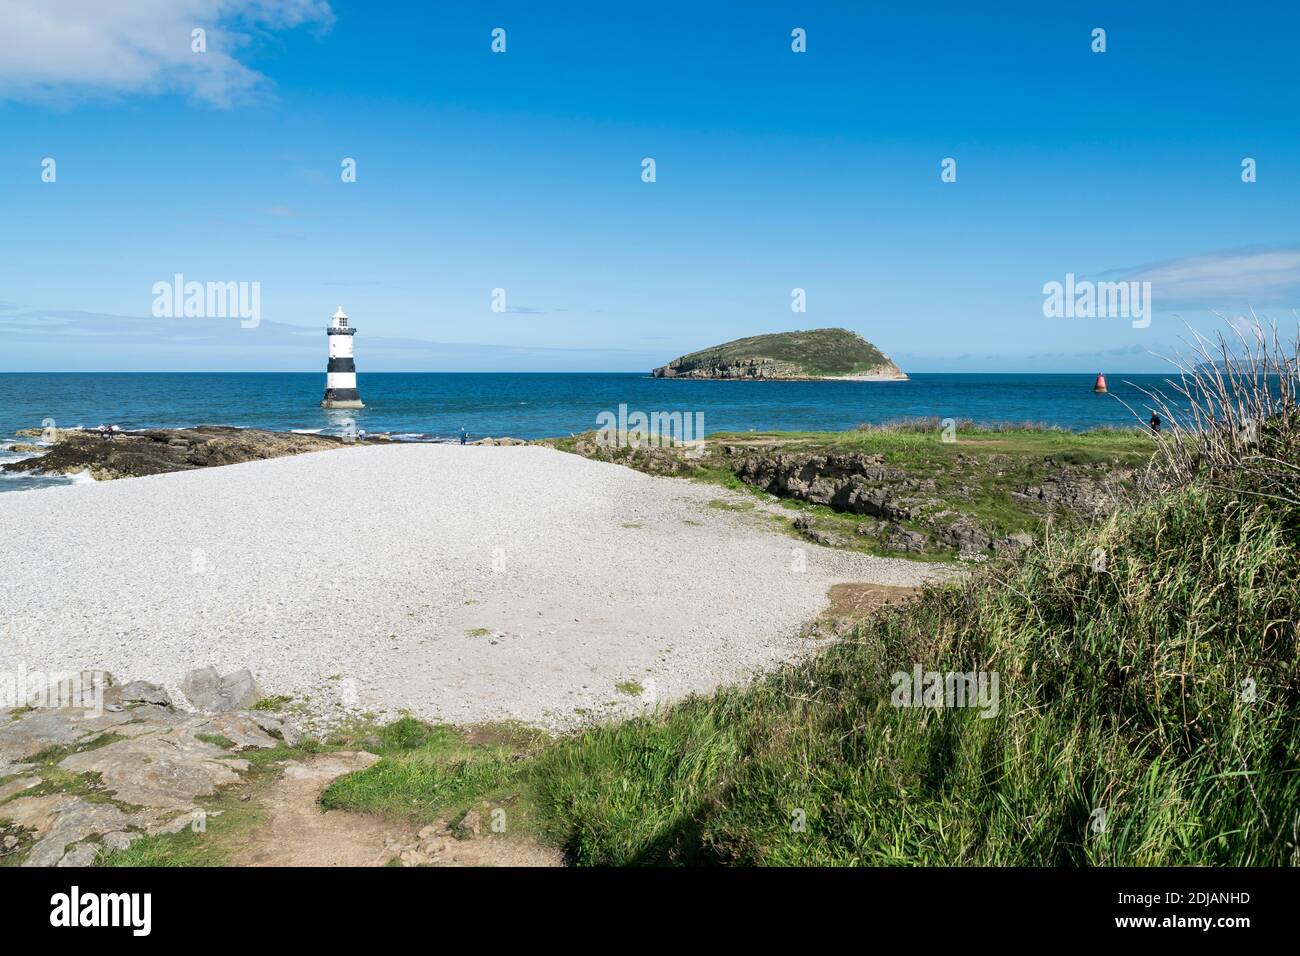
(341, 365)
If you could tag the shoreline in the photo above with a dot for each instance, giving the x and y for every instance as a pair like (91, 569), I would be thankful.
(93, 455)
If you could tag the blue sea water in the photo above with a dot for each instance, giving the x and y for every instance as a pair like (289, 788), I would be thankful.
(537, 405)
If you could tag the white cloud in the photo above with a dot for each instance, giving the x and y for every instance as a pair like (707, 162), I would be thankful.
(1230, 279)
(62, 50)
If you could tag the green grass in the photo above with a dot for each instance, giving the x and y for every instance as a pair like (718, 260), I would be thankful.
(926, 450)
(428, 772)
(1121, 692)
(276, 702)
(977, 474)
(720, 505)
(211, 847)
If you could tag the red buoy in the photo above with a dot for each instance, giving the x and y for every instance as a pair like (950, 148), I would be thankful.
(1100, 387)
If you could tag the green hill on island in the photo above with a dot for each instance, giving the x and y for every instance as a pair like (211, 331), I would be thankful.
(816, 353)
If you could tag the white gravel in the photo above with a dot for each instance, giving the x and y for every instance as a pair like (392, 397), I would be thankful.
(360, 579)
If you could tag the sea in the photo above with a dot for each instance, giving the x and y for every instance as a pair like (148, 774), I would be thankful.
(436, 406)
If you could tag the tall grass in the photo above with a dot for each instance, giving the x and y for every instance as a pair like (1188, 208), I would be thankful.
(1232, 413)
(1149, 714)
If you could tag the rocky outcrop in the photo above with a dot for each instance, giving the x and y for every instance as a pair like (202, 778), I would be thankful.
(139, 765)
(499, 441)
(649, 458)
(911, 515)
(159, 450)
(860, 483)
(755, 368)
(961, 533)
(1087, 490)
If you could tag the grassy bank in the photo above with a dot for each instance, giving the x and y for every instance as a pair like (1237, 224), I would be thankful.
(980, 474)
(1148, 713)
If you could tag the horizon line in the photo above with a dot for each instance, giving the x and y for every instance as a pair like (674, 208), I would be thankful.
(523, 372)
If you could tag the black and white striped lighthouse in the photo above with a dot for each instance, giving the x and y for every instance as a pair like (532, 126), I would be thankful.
(341, 373)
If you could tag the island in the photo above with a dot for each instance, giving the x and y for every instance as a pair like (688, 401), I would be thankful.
(789, 356)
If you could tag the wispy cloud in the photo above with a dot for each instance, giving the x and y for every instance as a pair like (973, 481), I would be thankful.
(1230, 279)
(1125, 358)
(60, 51)
(45, 339)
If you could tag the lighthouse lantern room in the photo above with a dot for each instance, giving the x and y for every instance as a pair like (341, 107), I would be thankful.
(341, 373)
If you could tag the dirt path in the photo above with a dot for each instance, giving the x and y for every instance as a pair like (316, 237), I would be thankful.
(296, 832)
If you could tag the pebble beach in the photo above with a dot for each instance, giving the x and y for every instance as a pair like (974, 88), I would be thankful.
(461, 584)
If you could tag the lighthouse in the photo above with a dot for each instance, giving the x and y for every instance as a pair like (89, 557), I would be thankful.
(341, 373)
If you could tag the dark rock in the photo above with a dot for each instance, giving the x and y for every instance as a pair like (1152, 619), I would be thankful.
(905, 539)
(156, 451)
(138, 692)
(844, 481)
(804, 525)
(964, 535)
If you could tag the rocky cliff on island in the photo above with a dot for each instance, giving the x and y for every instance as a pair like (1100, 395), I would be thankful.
(790, 356)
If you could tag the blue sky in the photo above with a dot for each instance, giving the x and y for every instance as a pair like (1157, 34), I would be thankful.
(522, 171)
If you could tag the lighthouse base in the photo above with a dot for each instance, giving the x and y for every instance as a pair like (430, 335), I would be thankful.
(341, 398)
